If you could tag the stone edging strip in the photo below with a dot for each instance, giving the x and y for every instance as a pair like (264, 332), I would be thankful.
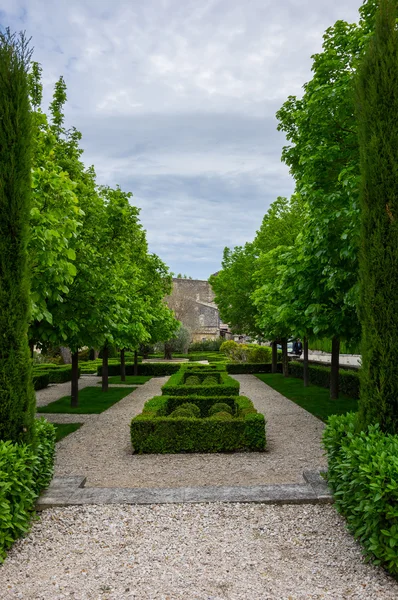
(70, 491)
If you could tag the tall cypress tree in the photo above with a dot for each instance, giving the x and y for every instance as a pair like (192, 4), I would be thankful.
(17, 400)
(377, 115)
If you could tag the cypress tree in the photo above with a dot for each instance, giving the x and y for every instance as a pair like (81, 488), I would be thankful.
(377, 116)
(17, 399)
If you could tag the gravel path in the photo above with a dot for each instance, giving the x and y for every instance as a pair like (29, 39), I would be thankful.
(101, 449)
(191, 552)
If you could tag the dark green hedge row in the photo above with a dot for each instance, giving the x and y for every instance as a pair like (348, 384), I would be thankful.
(154, 432)
(59, 374)
(203, 368)
(363, 474)
(176, 387)
(40, 380)
(348, 380)
(155, 369)
(25, 471)
(242, 368)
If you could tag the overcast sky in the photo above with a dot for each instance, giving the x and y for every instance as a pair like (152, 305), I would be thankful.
(176, 101)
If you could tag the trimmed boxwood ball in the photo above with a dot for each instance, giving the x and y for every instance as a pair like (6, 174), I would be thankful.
(221, 416)
(210, 380)
(220, 407)
(182, 412)
(192, 380)
(189, 407)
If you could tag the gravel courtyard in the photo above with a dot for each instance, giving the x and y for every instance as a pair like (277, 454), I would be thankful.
(191, 552)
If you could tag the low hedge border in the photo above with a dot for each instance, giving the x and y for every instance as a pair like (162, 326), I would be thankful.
(247, 368)
(59, 374)
(202, 368)
(25, 470)
(155, 369)
(154, 432)
(363, 475)
(176, 386)
(40, 380)
(348, 380)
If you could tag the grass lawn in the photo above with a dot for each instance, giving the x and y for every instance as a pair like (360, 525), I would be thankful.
(130, 379)
(64, 429)
(91, 401)
(313, 398)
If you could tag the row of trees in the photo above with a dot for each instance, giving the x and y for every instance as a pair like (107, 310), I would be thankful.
(299, 277)
(75, 266)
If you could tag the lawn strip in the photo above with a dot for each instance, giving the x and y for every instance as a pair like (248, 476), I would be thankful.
(64, 429)
(91, 401)
(314, 399)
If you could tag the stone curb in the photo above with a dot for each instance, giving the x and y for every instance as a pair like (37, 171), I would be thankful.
(70, 491)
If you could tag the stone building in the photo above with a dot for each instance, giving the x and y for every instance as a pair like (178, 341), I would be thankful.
(193, 303)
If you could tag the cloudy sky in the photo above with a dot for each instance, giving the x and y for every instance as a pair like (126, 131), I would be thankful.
(176, 100)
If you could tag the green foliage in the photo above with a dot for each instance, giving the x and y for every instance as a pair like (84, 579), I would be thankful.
(377, 106)
(154, 432)
(206, 346)
(92, 401)
(325, 345)
(349, 381)
(220, 407)
(204, 403)
(209, 380)
(153, 369)
(192, 380)
(25, 470)
(177, 386)
(187, 409)
(316, 400)
(40, 380)
(17, 399)
(248, 368)
(130, 380)
(55, 373)
(363, 474)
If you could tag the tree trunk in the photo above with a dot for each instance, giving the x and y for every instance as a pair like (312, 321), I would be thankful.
(285, 361)
(135, 362)
(167, 351)
(93, 355)
(274, 357)
(306, 373)
(334, 371)
(122, 366)
(105, 374)
(66, 355)
(74, 402)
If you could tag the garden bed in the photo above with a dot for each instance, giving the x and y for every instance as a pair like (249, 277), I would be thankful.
(187, 383)
(218, 424)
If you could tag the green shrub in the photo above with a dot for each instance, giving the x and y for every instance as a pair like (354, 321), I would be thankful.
(222, 416)
(204, 403)
(259, 354)
(206, 346)
(25, 470)
(248, 368)
(220, 407)
(192, 380)
(154, 369)
(40, 380)
(348, 380)
(176, 385)
(363, 474)
(154, 432)
(210, 380)
(182, 412)
(191, 407)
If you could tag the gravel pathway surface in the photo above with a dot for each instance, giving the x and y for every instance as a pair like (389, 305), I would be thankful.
(191, 552)
(101, 450)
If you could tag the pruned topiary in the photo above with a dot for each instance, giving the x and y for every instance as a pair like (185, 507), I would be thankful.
(210, 380)
(221, 416)
(192, 380)
(220, 407)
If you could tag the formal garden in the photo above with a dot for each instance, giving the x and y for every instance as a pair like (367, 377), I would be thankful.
(77, 277)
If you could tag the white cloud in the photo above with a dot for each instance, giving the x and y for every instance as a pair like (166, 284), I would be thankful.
(176, 102)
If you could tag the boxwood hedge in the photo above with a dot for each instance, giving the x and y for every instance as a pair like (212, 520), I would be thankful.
(348, 380)
(242, 368)
(154, 369)
(153, 431)
(40, 380)
(176, 385)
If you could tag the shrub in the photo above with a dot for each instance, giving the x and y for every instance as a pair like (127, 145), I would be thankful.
(154, 432)
(221, 416)
(25, 470)
(40, 380)
(191, 407)
(211, 357)
(363, 474)
(220, 407)
(348, 380)
(155, 369)
(247, 368)
(176, 385)
(210, 380)
(192, 380)
(206, 346)
(259, 354)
